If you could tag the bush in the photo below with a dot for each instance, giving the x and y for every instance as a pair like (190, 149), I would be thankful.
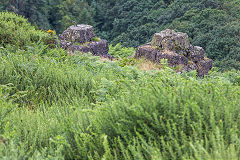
(17, 31)
(118, 51)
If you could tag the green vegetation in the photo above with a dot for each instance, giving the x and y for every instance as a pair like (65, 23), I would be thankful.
(16, 31)
(211, 24)
(56, 106)
(96, 39)
(120, 51)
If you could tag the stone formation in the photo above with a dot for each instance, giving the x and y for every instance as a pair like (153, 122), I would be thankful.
(176, 48)
(82, 38)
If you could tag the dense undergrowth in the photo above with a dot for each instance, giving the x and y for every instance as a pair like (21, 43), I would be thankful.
(16, 31)
(56, 106)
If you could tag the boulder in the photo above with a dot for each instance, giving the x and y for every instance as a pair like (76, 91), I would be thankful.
(82, 38)
(96, 48)
(171, 40)
(155, 55)
(146, 51)
(80, 33)
(176, 48)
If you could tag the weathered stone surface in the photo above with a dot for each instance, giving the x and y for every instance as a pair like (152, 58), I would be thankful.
(204, 66)
(154, 55)
(84, 49)
(171, 40)
(80, 33)
(82, 38)
(173, 59)
(96, 48)
(176, 48)
(65, 44)
(99, 48)
(146, 51)
(197, 53)
(190, 67)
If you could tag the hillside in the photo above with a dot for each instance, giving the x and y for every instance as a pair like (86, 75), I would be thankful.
(211, 24)
(57, 106)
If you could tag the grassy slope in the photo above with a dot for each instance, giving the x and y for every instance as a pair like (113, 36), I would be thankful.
(54, 106)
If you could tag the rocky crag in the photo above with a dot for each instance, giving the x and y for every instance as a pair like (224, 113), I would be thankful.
(176, 48)
(82, 38)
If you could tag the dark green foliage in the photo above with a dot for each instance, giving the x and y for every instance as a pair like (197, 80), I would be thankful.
(35, 10)
(216, 31)
(64, 12)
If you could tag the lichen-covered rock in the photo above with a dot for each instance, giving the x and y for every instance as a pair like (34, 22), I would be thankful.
(171, 40)
(176, 48)
(99, 48)
(196, 53)
(82, 38)
(96, 48)
(204, 66)
(147, 52)
(174, 59)
(80, 33)
(155, 55)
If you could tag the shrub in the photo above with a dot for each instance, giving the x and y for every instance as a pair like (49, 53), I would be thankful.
(17, 31)
(118, 51)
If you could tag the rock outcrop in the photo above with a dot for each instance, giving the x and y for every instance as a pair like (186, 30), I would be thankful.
(82, 38)
(176, 48)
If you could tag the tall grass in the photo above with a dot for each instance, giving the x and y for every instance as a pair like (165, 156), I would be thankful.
(80, 108)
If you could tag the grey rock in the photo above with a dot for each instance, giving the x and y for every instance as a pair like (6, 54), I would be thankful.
(82, 38)
(79, 48)
(99, 48)
(65, 44)
(204, 66)
(176, 48)
(80, 33)
(173, 59)
(197, 54)
(171, 40)
(154, 55)
(146, 51)
(191, 66)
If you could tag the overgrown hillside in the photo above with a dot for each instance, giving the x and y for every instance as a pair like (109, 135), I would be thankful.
(211, 24)
(56, 106)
